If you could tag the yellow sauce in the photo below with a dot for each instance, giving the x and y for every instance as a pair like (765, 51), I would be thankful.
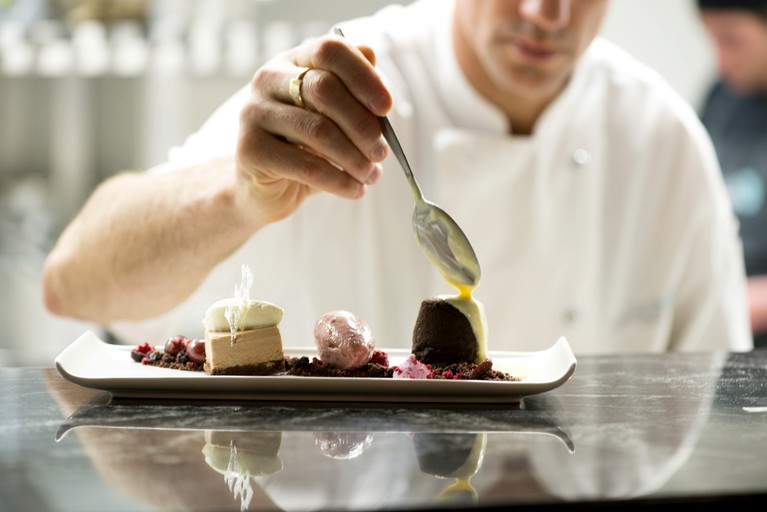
(475, 313)
(460, 486)
(463, 291)
(462, 475)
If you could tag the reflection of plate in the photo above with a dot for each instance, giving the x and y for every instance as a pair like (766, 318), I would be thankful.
(90, 362)
(542, 417)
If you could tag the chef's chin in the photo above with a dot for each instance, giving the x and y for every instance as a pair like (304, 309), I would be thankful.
(532, 82)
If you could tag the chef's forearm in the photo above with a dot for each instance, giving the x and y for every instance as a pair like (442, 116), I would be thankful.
(143, 243)
(757, 303)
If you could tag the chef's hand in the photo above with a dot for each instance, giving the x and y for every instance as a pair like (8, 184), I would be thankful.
(332, 144)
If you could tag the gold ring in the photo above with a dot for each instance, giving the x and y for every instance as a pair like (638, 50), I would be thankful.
(295, 88)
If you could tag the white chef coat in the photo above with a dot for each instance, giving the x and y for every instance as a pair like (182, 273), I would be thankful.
(609, 224)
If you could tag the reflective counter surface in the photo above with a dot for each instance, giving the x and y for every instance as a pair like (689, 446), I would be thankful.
(636, 430)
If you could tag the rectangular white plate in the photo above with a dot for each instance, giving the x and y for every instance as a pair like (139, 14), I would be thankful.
(92, 363)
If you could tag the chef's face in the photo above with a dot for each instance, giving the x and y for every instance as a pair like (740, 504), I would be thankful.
(526, 48)
(740, 37)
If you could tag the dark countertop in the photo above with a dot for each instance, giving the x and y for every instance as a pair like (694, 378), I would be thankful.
(634, 429)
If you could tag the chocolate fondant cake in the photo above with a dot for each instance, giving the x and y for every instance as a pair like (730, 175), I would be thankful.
(443, 334)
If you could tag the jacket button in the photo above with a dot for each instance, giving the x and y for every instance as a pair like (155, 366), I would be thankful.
(581, 157)
(570, 316)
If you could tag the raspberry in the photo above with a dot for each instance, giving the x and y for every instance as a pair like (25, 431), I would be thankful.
(447, 374)
(380, 357)
(145, 348)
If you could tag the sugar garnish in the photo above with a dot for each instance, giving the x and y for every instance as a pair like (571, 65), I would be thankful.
(237, 477)
(241, 299)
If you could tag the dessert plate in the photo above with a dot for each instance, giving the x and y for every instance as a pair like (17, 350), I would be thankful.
(93, 363)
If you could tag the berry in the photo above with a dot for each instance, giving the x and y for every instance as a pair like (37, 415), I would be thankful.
(380, 357)
(174, 345)
(145, 348)
(195, 350)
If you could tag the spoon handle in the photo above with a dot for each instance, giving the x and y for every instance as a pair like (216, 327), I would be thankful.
(396, 147)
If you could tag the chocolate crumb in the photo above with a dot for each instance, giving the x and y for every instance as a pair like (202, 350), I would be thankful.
(313, 367)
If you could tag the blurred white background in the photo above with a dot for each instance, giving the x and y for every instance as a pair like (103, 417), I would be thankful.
(89, 88)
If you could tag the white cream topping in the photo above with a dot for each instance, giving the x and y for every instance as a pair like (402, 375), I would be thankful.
(251, 314)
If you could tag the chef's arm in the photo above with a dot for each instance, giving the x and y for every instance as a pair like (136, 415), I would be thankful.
(757, 303)
(144, 242)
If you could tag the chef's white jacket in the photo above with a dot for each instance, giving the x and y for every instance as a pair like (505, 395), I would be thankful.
(609, 224)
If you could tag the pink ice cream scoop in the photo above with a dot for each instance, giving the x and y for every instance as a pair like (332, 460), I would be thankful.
(343, 340)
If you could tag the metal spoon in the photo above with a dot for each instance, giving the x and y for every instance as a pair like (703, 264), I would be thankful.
(439, 236)
(441, 239)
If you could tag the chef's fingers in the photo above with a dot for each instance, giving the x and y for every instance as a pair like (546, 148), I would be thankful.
(316, 131)
(351, 64)
(268, 160)
(339, 76)
(327, 95)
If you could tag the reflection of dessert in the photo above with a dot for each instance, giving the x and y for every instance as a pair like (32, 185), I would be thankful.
(252, 345)
(242, 455)
(457, 456)
(254, 453)
(450, 329)
(343, 445)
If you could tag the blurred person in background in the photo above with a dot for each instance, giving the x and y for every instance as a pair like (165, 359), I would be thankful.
(735, 115)
(589, 189)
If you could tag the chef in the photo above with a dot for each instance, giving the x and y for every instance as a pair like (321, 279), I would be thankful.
(735, 114)
(588, 188)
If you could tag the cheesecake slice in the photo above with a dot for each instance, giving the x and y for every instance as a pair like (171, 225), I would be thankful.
(253, 347)
(254, 352)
